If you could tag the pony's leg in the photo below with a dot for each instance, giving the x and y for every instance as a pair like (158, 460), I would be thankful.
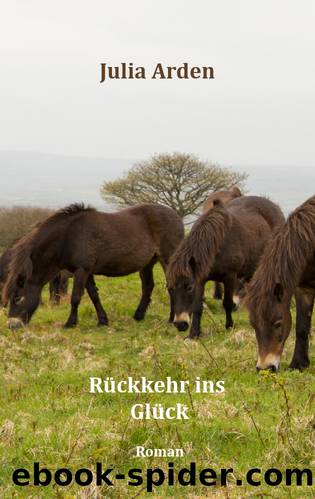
(217, 294)
(54, 290)
(228, 303)
(172, 305)
(93, 294)
(79, 282)
(147, 283)
(304, 310)
(197, 311)
(64, 282)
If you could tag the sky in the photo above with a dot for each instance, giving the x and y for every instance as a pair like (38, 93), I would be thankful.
(259, 109)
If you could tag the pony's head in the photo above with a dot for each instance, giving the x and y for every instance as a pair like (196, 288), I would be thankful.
(191, 263)
(271, 319)
(20, 291)
(181, 283)
(225, 196)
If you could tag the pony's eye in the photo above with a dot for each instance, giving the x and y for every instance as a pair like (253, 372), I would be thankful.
(19, 300)
(277, 324)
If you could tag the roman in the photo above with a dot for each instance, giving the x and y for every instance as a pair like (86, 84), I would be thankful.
(123, 72)
(143, 452)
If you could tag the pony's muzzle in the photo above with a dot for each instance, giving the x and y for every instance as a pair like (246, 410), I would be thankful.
(270, 368)
(270, 362)
(181, 321)
(181, 325)
(15, 323)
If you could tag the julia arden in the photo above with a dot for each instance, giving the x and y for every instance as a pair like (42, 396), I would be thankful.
(127, 71)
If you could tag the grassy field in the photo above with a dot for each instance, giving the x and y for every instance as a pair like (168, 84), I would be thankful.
(48, 415)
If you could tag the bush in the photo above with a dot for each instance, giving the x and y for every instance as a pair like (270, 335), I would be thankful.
(18, 220)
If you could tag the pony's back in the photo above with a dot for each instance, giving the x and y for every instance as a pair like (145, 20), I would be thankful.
(270, 211)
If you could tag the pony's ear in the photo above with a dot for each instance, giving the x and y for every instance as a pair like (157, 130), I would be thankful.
(278, 292)
(236, 191)
(192, 264)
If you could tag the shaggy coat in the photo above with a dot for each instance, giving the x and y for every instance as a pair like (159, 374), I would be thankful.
(287, 267)
(225, 196)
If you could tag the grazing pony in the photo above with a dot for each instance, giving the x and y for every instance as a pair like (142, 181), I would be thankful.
(224, 245)
(225, 197)
(287, 267)
(87, 242)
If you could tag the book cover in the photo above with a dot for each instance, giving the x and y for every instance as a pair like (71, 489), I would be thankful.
(157, 241)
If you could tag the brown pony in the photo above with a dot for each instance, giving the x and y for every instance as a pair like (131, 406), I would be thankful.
(225, 197)
(86, 243)
(224, 245)
(286, 268)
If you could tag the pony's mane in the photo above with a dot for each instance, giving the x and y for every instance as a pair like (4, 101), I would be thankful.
(63, 213)
(290, 248)
(196, 253)
(21, 264)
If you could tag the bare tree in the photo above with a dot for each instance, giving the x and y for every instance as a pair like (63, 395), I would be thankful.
(180, 181)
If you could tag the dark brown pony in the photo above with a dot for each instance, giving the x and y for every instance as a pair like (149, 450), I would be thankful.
(225, 196)
(57, 286)
(286, 268)
(224, 245)
(86, 243)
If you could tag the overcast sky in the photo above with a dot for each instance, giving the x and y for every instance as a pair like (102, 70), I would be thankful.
(259, 109)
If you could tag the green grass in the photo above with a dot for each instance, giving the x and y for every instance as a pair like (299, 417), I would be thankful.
(48, 415)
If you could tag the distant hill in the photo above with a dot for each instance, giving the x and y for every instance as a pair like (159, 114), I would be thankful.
(28, 178)
(288, 186)
(54, 180)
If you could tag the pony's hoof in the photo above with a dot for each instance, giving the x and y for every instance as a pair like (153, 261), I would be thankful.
(299, 364)
(138, 316)
(69, 325)
(229, 326)
(193, 336)
(102, 323)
